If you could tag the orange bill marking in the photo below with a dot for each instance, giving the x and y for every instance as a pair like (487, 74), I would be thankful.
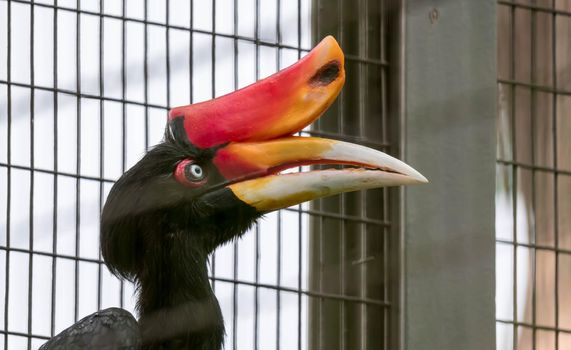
(260, 158)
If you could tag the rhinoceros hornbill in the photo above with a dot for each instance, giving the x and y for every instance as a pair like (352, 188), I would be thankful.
(216, 172)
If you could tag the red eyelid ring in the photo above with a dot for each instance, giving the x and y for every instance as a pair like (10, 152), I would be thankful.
(180, 176)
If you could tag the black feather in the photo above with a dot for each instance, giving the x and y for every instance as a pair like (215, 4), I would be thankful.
(107, 329)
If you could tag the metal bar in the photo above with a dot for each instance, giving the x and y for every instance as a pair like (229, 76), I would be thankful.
(235, 272)
(278, 277)
(363, 237)
(349, 298)
(83, 95)
(517, 164)
(31, 197)
(399, 293)
(235, 299)
(256, 288)
(101, 149)
(540, 327)
(386, 252)
(342, 198)
(279, 213)
(299, 206)
(532, 116)
(9, 159)
(321, 325)
(77, 160)
(318, 250)
(146, 68)
(359, 59)
(59, 173)
(20, 334)
(167, 58)
(52, 255)
(190, 51)
(257, 232)
(557, 250)
(257, 262)
(213, 94)
(299, 274)
(514, 178)
(340, 217)
(123, 119)
(537, 87)
(56, 151)
(555, 175)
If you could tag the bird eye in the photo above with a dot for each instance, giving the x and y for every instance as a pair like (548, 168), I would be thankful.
(194, 172)
(190, 174)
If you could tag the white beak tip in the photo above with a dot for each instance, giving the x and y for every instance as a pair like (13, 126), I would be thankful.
(420, 178)
(410, 172)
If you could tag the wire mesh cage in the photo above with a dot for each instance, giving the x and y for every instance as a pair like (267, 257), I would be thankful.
(84, 91)
(354, 249)
(533, 177)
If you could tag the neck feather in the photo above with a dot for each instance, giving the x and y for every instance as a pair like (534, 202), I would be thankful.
(177, 305)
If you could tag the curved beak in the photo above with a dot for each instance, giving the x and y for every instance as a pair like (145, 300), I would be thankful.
(255, 170)
(250, 131)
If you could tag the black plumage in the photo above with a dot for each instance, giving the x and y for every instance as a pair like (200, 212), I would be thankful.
(111, 328)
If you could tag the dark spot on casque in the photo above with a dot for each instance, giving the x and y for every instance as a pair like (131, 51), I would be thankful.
(326, 74)
(177, 128)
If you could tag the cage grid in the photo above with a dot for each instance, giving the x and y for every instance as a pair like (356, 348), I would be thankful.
(74, 124)
(533, 175)
(349, 257)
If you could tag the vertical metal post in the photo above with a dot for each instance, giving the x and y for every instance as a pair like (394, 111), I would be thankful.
(514, 181)
(257, 231)
(556, 174)
(102, 145)
(77, 159)
(449, 135)
(55, 155)
(146, 66)
(533, 236)
(123, 111)
(31, 196)
(235, 252)
(8, 170)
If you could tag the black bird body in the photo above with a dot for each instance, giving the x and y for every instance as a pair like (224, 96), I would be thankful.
(215, 173)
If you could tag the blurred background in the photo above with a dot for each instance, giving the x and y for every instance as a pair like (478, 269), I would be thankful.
(84, 91)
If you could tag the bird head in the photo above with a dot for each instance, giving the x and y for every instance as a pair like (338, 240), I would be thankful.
(220, 164)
